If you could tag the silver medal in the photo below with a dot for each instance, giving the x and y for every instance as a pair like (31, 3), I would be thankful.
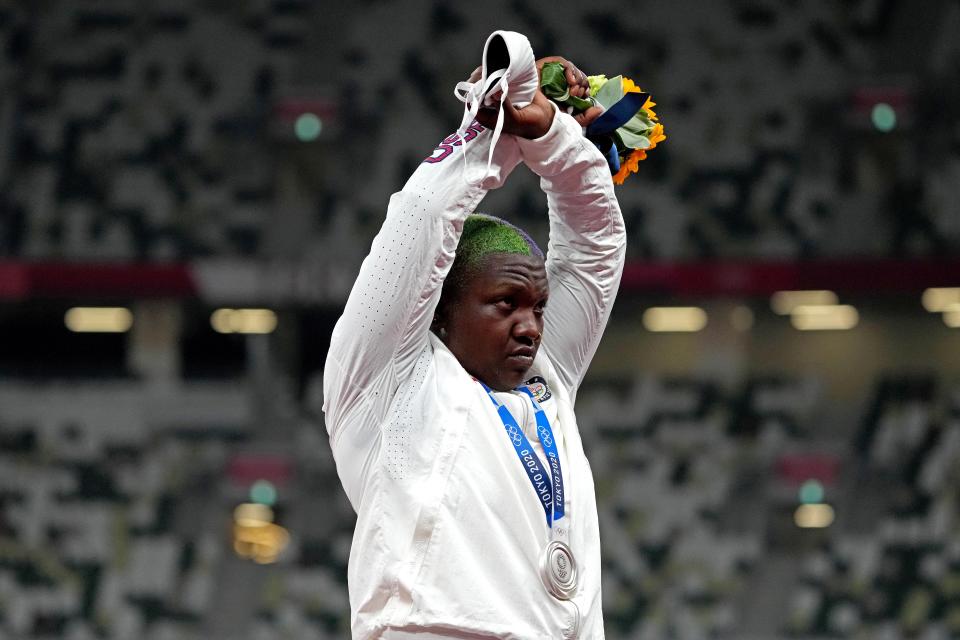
(558, 570)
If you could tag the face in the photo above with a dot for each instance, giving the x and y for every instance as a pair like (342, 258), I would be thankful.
(494, 323)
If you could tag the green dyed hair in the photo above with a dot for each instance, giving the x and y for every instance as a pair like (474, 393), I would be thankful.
(483, 235)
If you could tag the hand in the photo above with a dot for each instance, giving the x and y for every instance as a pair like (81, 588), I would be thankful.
(579, 87)
(576, 79)
(533, 121)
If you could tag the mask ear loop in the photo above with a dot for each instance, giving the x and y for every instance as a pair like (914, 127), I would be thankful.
(470, 111)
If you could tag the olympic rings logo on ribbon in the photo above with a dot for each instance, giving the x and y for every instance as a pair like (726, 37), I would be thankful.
(545, 438)
(514, 435)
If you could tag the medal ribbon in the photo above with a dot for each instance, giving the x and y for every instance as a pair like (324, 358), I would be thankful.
(548, 486)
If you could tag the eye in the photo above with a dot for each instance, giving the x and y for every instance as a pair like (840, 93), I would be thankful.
(540, 307)
(506, 303)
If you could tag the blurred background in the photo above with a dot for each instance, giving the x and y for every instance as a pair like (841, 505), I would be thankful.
(188, 187)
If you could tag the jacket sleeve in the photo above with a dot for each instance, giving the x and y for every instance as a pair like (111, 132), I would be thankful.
(387, 317)
(586, 249)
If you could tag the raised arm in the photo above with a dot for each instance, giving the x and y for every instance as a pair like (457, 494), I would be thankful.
(586, 249)
(387, 316)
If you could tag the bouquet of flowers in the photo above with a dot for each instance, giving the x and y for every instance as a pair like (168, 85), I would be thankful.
(628, 127)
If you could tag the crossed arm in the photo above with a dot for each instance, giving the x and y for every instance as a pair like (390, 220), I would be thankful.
(386, 320)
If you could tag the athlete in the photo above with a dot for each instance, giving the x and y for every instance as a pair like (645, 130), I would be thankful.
(450, 385)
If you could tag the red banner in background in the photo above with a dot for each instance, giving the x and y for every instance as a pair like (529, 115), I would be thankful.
(246, 468)
(731, 278)
(797, 468)
(24, 280)
(21, 280)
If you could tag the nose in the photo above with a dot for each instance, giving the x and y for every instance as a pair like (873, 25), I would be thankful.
(528, 326)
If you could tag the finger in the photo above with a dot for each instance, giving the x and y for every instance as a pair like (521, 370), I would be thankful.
(543, 61)
(575, 77)
(475, 75)
(586, 118)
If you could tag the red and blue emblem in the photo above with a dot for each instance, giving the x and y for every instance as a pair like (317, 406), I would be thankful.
(538, 387)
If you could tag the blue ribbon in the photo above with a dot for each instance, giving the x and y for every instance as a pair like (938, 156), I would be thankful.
(548, 487)
(618, 114)
(613, 158)
(601, 131)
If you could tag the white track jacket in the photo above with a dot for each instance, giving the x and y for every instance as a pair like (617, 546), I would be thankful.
(450, 530)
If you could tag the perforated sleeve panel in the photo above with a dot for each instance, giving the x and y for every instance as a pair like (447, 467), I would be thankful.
(385, 322)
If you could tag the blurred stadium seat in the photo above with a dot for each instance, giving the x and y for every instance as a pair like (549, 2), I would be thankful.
(170, 136)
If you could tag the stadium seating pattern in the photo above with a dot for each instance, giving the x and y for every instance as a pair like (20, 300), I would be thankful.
(115, 518)
(151, 134)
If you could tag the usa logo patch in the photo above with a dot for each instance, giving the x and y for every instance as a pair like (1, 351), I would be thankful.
(538, 387)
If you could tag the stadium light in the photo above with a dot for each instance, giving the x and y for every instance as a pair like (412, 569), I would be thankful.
(824, 317)
(255, 535)
(98, 319)
(252, 514)
(263, 492)
(784, 302)
(937, 299)
(951, 316)
(813, 516)
(674, 319)
(884, 117)
(811, 492)
(308, 127)
(254, 321)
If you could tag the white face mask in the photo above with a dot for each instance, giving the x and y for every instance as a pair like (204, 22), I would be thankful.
(515, 74)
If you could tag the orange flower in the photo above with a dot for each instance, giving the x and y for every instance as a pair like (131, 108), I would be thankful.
(630, 165)
(629, 86)
(657, 135)
(648, 107)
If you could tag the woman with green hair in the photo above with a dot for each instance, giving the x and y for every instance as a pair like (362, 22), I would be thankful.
(450, 385)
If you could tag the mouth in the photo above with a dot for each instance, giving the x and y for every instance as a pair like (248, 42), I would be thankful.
(522, 357)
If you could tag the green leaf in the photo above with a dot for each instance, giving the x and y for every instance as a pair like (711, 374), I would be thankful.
(633, 140)
(621, 147)
(638, 124)
(578, 104)
(610, 93)
(553, 82)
